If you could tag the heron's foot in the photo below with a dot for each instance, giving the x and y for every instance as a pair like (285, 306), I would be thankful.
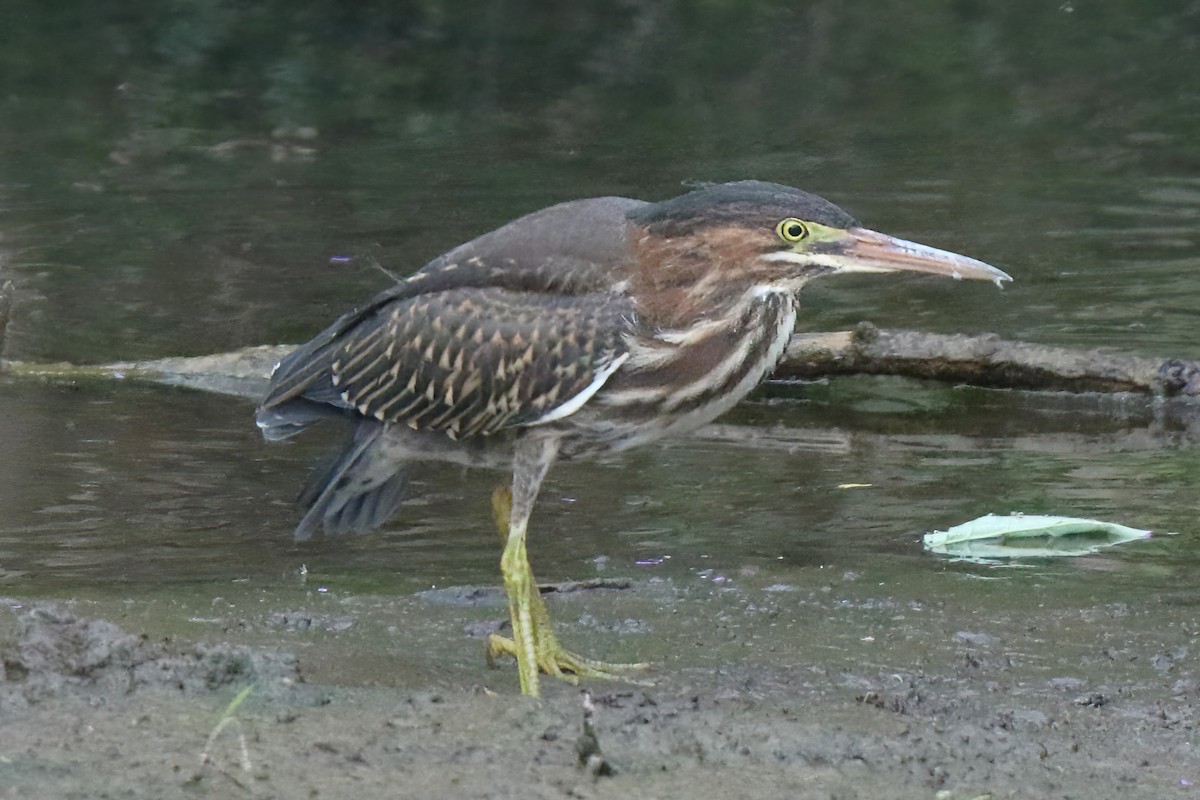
(533, 643)
(555, 660)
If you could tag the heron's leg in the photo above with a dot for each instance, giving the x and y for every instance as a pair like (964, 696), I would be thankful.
(532, 458)
(533, 643)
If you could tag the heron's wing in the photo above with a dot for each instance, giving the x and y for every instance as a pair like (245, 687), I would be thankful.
(474, 361)
(572, 249)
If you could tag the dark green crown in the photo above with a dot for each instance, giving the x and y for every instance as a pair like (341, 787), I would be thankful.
(747, 203)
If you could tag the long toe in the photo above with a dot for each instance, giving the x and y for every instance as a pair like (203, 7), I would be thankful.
(554, 660)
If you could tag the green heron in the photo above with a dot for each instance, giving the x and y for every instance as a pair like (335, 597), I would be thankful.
(582, 329)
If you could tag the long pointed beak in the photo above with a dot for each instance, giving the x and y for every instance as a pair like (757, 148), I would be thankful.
(869, 251)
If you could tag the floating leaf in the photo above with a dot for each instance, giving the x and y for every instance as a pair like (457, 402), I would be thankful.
(1029, 536)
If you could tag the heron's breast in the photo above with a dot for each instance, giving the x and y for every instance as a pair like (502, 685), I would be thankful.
(679, 380)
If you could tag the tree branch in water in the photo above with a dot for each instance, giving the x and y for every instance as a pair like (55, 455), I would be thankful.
(985, 360)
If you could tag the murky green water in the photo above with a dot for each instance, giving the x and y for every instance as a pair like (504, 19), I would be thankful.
(180, 184)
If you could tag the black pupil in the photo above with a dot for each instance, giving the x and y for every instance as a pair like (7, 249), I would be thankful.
(795, 230)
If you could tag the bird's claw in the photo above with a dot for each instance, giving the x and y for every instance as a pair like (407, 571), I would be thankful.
(554, 660)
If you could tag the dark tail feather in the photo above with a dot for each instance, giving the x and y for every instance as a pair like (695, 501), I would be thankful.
(305, 370)
(359, 491)
(284, 422)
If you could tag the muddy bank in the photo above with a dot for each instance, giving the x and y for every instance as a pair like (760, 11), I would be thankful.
(841, 689)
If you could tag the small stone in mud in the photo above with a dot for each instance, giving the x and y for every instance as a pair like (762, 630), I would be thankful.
(1093, 700)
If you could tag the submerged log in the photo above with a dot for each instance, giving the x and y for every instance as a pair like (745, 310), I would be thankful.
(243, 373)
(985, 360)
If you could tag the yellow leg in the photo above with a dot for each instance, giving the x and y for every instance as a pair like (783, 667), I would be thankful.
(502, 510)
(533, 643)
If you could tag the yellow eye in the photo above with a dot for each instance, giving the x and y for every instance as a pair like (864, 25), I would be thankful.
(791, 230)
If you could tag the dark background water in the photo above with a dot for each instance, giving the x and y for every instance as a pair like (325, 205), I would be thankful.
(176, 177)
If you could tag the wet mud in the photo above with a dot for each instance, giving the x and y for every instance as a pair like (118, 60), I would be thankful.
(838, 688)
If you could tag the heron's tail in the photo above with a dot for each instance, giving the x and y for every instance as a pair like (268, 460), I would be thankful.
(358, 492)
(285, 421)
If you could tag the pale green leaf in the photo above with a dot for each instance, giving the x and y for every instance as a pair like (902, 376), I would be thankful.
(1029, 536)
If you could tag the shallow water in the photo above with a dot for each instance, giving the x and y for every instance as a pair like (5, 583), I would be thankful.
(195, 185)
(135, 489)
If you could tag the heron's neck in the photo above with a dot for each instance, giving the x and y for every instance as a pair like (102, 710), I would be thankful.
(682, 378)
(682, 283)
